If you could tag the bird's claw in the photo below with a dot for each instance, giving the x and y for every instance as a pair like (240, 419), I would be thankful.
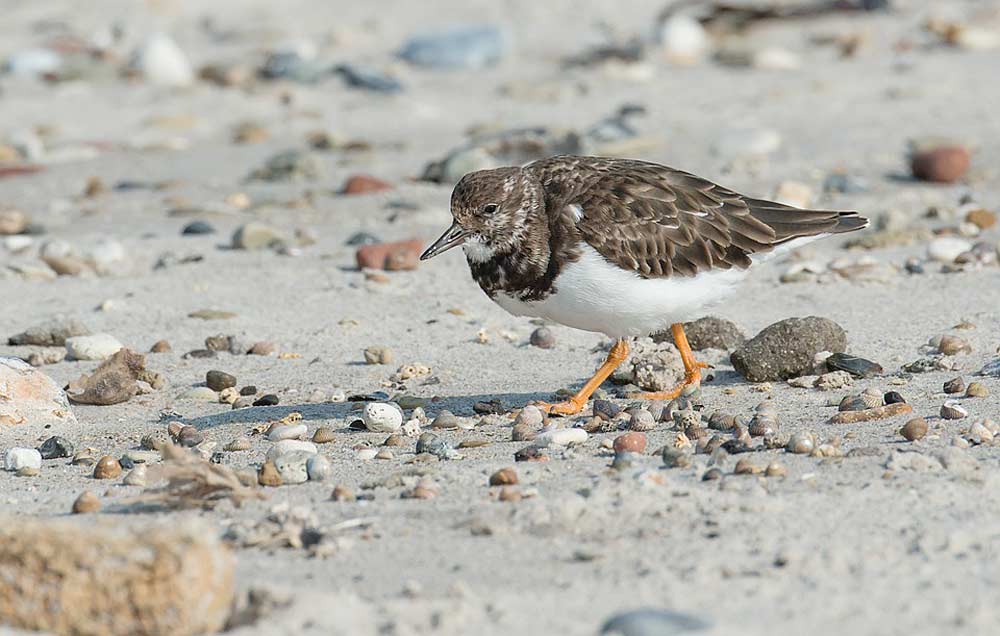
(569, 407)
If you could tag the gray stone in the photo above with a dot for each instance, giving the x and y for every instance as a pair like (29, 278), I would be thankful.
(710, 332)
(788, 348)
(52, 333)
(99, 346)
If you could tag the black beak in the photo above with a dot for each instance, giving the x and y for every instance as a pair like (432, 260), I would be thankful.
(455, 235)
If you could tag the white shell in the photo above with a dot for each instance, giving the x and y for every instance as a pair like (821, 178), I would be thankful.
(561, 437)
(291, 446)
(18, 458)
(288, 431)
(380, 417)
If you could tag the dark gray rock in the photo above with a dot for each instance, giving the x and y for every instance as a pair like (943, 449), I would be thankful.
(858, 367)
(359, 76)
(710, 332)
(218, 380)
(788, 348)
(56, 447)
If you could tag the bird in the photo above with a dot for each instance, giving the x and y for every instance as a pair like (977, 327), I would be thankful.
(621, 247)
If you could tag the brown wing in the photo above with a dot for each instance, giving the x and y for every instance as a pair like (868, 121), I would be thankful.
(662, 222)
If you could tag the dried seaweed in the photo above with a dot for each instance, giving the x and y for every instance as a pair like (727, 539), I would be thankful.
(192, 482)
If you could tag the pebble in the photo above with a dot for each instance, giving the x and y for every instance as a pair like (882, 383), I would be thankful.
(136, 476)
(914, 430)
(228, 395)
(86, 503)
(287, 446)
(980, 434)
(511, 495)
(977, 389)
(56, 447)
(745, 467)
(292, 467)
(268, 475)
(248, 390)
(801, 443)
(561, 437)
(504, 477)
(17, 459)
(318, 468)
(202, 393)
(164, 63)
(712, 474)
(197, 228)
(323, 435)
(543, 338)
(467, 48)
(99, 346)
(776, 469)
(951, 345)
(286, 431)
(683, 40)
(710, 332)
(255, 235)
(946, 249)
(292, 165)
(268, 399)
(655, 622)
(954, 385)
(378, 355)
(84, 457)
(219, 380)
(435, 445)
(893, 397)
(364, 184)
(367, 453)
(625, 461)
(641, 420)
(380, 417)
(160, 346)
(634, 442)
(952, 410)
(940, 164)
(342, 493)
(787, 348)
(155, 441)
(368, 78)
(107, 467)
(981, 218)
(394, 256)
(241, 443)
(52, 333)
(384, 453)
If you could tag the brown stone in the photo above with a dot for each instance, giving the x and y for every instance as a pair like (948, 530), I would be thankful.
(981, 218)
(12, 221)
(511, 495)
(914, 430)
(342, 493)
(633, 442)
(107, 467)
(111, 577)
(943, 164)
(87, 502)
(111, 383)
(262, 348)
(396, 256)
(268, 475)
(364, 184)
(504, 477)
(160, 346)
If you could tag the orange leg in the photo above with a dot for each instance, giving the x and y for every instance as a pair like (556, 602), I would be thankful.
(572, 406)
(692, 368)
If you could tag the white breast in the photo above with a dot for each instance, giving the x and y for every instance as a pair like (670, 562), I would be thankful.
(593, 294)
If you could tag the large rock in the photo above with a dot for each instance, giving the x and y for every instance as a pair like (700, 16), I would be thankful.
(709, 332)
(91, 579)
(788, 348)
(28, 396)
(112, 382)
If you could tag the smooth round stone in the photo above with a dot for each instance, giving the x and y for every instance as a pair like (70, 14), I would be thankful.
(634, 442)
(18, 459)
(136, 476)
(431, 443)
(198, 227)
(98, 346)
(219, 380)
(561, 437)
(141, 456)
(107, 467)
(289, 431)
(287, 446)
(367, 453)
(164, 63)
(946, 249)
(201, 393)
(318, 468)
(56, 447)
(380, 417)
(543, 338)
(530, 416)
(86, 503)
(292, 466)
(268, 399)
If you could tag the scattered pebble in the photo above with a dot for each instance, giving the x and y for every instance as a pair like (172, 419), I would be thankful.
(543, 338)
(776, 469)
(56, 447)
(268, 475)
(318, 468)
(395, 256)
(286, 431)
(219, 380)
(504, 477)
(100, 346)
(268, 399)
(107, 467)
(342, 493)
(239, 444)
(634, 442)
(787, 348)
(977, 389)
(939, 163)
(801, 443)
(86, 503)
(378, 355)
(380, 417)
(18, 459)
(201, 393)
(364, 184)
(468, 48)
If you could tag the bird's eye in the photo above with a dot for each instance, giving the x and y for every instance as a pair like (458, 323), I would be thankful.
(490, 208)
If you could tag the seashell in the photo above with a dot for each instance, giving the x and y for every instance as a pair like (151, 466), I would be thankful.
(857, 367)
(954, 385)
(761, 426)
(720, 421)
(776, 469)
(746, 467)
(977, 389)
(712, 474)
(914, 429)
(411, 428)
(952, 410)
(323, 435)
(801, 443)
(238, 444)
(675, 458)
(641, 420)
(979, 434)
(504, 477)
(686, 418)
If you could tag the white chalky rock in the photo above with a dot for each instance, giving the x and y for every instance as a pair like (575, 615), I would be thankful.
(684, 40)
(412, 428)
(99, 346)
(292, 466)
(163, 62)
(292, 431)
(286, 446)
(18, 458)
(319, 468)
(380, 417)
(561, 437)
(947, 248)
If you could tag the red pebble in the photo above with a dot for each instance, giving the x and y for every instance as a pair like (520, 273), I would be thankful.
(365, 184)
(944, 164)
(397, 256)
(633, 442)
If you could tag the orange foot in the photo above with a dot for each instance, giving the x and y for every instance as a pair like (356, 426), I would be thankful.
(692, 370)
(576, 403)
(569, 407)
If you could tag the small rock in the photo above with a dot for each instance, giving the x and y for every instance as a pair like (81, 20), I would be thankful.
(775, 469)
(710, 332)
(100, 346)
(160, 346)
(342, 493)
(162, 62)
(219, 380)
(86, 503)
(292, 165)
(268, 399)
(189, 436)
(465, 48)
(262, 348)
(30, 396)
(914, 430)
(201, 393)
(946, 249)
(641, 420)
(368, 78)
(543, 338)
(787, 348)
(255, 235)
(52, 333)
(286, 431)
(378, 355)
(323, 435)
(504, 477)
(56, 447)
(561, 437)
(289, 446)
(954, 385)
(364, 184)
(675, 458)
(228, 395)
(977, 389)
(17, 459)
(395, 256)
(197, 228)
(380, 417)
(634, 442)
(107, 467)
(952, 345)
(940, 164)
(268, 475)
(318, 468)
(801, 443)
(951, 410)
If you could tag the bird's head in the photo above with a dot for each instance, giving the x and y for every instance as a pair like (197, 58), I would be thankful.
(491, 210)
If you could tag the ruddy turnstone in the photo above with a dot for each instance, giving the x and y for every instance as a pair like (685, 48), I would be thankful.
(617, 246)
